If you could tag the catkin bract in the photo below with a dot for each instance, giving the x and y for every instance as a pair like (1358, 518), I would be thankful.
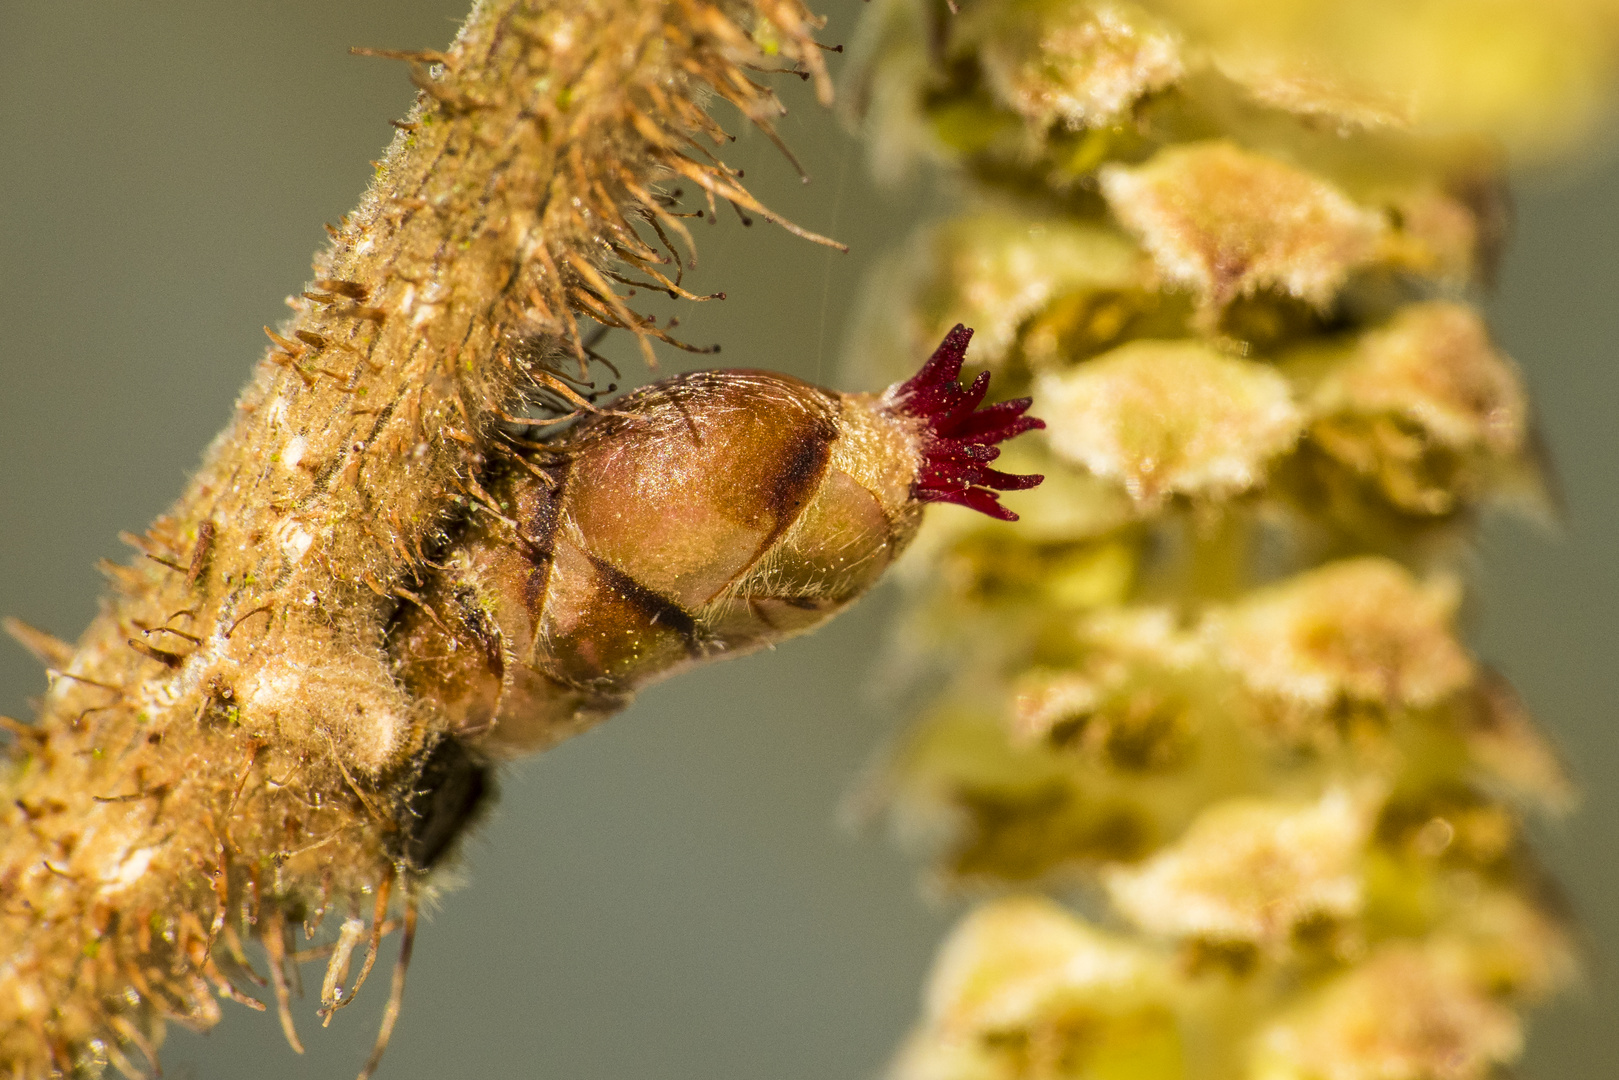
(1215, 674)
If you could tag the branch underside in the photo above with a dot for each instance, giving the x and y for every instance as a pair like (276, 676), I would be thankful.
(227, 753)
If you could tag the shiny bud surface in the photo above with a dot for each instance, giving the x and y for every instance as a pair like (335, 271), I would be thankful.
(704, 516)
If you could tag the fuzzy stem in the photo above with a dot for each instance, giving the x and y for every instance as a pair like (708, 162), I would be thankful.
(227, 749)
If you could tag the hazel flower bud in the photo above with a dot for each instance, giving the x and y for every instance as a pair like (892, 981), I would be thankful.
(1024, 988)
(1357, 635)
(1251, 872)
(1080, 65)
(995, 270)
(704, 516)
(1226, 222)
(1170, 418)
(1423, 414)
(1407, 1011)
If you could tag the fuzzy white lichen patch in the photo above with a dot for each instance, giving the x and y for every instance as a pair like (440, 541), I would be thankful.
(432, 300)
(295, 540)
(293, 452)
(127, 870)
(271, 689)
(30, 1002)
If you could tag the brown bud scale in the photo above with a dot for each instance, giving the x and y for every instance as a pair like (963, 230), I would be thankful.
(705, 516)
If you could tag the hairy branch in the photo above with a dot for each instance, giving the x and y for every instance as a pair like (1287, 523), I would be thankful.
(227, 749)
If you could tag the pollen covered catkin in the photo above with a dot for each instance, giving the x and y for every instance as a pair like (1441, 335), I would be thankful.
(1216, 681)
(704, 516)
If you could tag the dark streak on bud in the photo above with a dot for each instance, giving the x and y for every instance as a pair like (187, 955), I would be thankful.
(705, 516)
(446, 797)
(648, 607)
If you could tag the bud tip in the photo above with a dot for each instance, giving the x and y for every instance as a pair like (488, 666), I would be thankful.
(958, 438)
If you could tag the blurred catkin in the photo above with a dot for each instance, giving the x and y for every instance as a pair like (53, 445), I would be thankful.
(1211, 685)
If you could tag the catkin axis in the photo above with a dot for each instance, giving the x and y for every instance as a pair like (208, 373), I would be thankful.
(705, 516)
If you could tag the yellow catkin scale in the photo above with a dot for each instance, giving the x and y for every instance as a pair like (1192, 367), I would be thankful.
(702, 517)
(1214, 682)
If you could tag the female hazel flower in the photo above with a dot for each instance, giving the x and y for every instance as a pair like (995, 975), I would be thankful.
(704, 516)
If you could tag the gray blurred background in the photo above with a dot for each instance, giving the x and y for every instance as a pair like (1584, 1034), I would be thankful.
(672, 896)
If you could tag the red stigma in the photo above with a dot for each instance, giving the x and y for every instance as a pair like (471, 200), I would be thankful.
(957, 436)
